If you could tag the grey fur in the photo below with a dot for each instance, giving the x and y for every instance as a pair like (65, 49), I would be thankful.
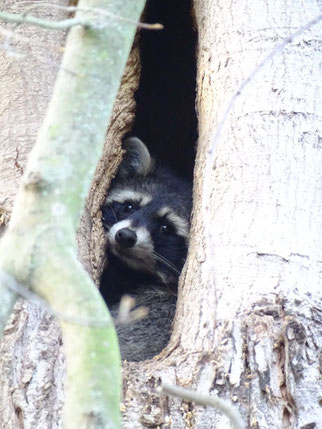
(145, 338)
(147, 269)
(136, 160)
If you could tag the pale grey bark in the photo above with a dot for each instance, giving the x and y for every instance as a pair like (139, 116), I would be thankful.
(29, 61)
(248, 323)
(31, 370)
(31, 357)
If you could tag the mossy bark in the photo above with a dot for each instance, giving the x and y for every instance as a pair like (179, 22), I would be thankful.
(39, 248)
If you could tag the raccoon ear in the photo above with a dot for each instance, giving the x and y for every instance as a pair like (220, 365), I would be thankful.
(136, 160)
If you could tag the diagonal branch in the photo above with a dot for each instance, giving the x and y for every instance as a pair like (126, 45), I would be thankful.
(205, 400)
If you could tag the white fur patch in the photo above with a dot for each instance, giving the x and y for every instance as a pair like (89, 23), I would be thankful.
(117, 226)
(123, 195)
(140, 256)
(180, 224)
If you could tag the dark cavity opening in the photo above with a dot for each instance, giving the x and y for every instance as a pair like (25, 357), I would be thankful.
(166, 122)
(165, 117)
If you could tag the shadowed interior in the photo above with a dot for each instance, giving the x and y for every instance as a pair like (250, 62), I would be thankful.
(165, 118)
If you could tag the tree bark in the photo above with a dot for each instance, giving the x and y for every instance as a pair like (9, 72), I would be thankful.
(31, 357)
(248, 322)
(29, 59)
(21, 411)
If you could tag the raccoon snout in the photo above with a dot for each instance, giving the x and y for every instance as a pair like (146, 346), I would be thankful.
(126, 238)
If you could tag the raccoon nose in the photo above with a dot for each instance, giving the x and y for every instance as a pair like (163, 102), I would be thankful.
(125, 237)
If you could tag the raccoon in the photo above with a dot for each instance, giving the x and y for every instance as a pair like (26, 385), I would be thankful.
(146, 217)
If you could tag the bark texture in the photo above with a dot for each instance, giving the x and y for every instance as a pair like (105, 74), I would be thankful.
(32, 370)
(29, 61)
(28, 385)
(248, 323)
(32, 384)
(91, 238)
(31, 359)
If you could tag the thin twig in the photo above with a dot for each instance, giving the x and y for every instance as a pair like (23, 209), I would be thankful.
(11, 283)
(97, 11)
(205, 400)
(50, 25)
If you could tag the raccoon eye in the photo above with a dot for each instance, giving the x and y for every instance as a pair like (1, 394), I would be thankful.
(128, 208)
(166, 229)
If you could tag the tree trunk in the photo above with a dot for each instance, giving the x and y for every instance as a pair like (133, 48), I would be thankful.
(29, 59)
(248, 322)
(31, 354)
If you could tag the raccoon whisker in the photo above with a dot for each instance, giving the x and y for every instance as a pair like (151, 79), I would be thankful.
(166, 262)
(163, 278)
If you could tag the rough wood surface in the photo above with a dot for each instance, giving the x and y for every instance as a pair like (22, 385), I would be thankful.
(31, 360)
(29, 61)
(31, 370)
(32, 386)
(248, 324)
(91, 237)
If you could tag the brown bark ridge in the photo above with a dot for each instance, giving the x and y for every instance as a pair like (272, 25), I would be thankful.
(91, 239)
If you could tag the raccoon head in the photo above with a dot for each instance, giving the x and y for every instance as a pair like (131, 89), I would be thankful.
(146, 215)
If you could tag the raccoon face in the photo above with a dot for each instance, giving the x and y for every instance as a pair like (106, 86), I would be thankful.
(146, 217)
(145, 234)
